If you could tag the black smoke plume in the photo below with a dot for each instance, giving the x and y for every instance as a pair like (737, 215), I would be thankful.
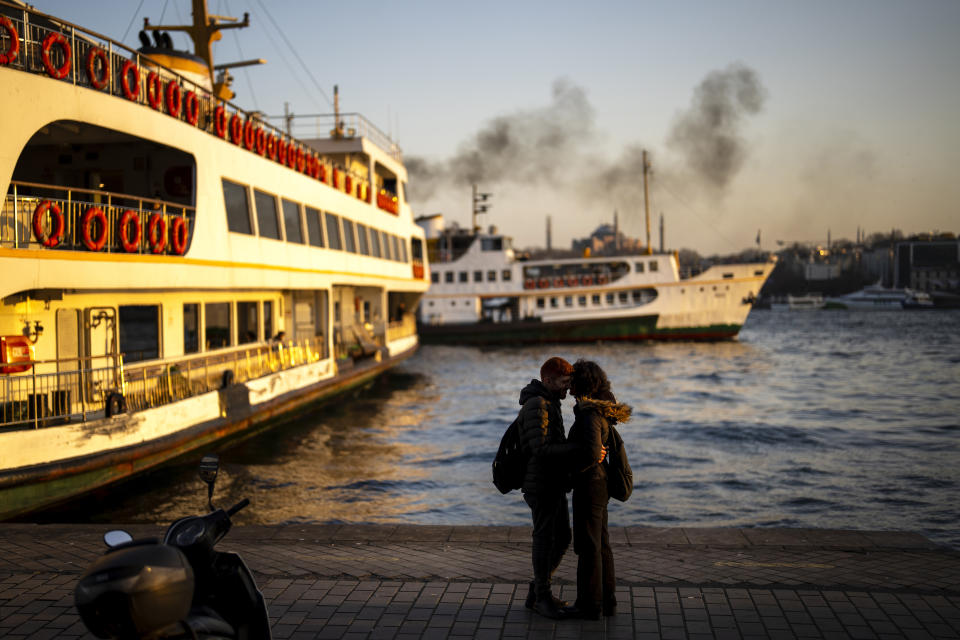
(708, 133)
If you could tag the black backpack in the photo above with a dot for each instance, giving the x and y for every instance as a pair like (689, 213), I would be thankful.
(619, 473)
(510, 463)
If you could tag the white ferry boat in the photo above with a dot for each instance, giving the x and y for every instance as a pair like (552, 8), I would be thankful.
(480, 293)
(176, 271)
(876, 297)
(804, 302)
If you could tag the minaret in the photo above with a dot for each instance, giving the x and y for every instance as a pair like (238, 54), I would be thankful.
(549, 241)
(661, 233)
(616, 230)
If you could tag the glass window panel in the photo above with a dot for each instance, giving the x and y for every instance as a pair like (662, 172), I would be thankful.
(238, 209)
(362, 243)
(374, 243)
(385, 242)
(267, 319)
(478, 276)
(348, 242)
(266, 205)
(291, 221)
(314, 232)
(191, 328)
(247, 324)
(139, 332)
(333, 231)
(217, 321)
(396, 247)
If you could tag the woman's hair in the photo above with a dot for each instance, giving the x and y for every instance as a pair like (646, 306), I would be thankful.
(588, 380)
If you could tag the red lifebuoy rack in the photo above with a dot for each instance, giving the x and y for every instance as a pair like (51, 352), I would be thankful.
(130, 93)
(236, 129)
(56, 230)
(249, 135)
(130, 245)
(261, 137)
(157, 233)
(543, 283)
(91, 215)
(174, 95)
(154, 90)
(94, 55)
(11, 53)
(178, 235)
(48, 44)
(272, 146)
(191, 107)
(220, 121)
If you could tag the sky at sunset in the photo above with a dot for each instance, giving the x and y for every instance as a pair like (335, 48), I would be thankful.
(791, 118)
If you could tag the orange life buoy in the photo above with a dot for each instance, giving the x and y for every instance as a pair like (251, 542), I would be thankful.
(11, 53)
(336, 178)
(56, 230)
(543, 283)
(314, 166)
(261, 137)
(220, 121)
(558, 282)
(249, 135)
(282, 151)
(586, 281)
(301, 160)
(292, 150)
(236, 129)
(154, 89)
(134, 92)
(272, 146)
(178, 233)
(173, 101)
(572, 281)
(191, 107)
(157, 233)
(348, 184)
(323, 172)
(48, 43)
(91, 242)
(528, 283)
(130, 245)
(94, 55)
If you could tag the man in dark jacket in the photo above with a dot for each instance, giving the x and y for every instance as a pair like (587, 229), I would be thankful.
(546, 482)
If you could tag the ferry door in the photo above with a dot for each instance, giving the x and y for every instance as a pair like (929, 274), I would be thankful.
(101, 358)
(304, 303)
(69, 365)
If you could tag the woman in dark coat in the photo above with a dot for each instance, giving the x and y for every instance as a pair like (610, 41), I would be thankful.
(595, 411)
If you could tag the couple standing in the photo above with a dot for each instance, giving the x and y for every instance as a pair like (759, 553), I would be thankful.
(558, 462)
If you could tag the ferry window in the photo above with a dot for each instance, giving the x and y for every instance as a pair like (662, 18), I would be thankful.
(448, 276)
(396, 247)
(374, 243)
(491, 276)
(541, 303)
(727, 276)
(247, 322)
(609, 298)
(654, 266)
(506, 275)
(191, 328)
(362, 243)
(478, 276)
(582, 301)
(434, 277)
(333, 231)
(238, 207)
(403, 249)
(267, 319)
(464, 276)
(291, 221)
(491, 244)
(622, 296)
(553, 303)
(595, 299)
(348, 241)
(637, 296)
(314, 232)
(139, 332)
(568, 301)
(217, 322)
(266, 205)
(385, 241)
(639, 267)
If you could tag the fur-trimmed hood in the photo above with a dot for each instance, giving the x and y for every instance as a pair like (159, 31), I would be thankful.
(613, 412)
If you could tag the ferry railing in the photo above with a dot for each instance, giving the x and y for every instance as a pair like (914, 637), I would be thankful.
(352, 125)
(59, 391)
(403, 328)
(22, 200)
(84, 68)
(78, 389)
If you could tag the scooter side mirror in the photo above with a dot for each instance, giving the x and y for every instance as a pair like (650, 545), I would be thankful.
(209, 467)
(116, 537)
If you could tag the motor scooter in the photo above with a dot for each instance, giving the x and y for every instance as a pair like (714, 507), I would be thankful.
(177, 587)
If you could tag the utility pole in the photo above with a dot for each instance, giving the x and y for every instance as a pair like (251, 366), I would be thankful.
(661, 233)
(288, 118)
(479, 205)
(646, 198)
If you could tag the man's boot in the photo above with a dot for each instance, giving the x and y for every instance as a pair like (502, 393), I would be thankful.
(532, 599)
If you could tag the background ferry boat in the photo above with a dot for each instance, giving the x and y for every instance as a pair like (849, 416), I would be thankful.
(481, 293)
(804, 302)
(175, 270)
(879, 298)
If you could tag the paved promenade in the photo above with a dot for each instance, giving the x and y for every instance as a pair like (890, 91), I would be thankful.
(386, 581)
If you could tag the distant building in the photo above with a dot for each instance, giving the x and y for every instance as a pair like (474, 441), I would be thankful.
(928, 265)
(821, 271)
(606, 240)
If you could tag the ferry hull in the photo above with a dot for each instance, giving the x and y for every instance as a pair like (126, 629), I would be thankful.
(534, 332)
(25, 490)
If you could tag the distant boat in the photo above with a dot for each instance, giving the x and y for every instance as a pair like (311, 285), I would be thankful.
(878, 297)
(805, 302)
